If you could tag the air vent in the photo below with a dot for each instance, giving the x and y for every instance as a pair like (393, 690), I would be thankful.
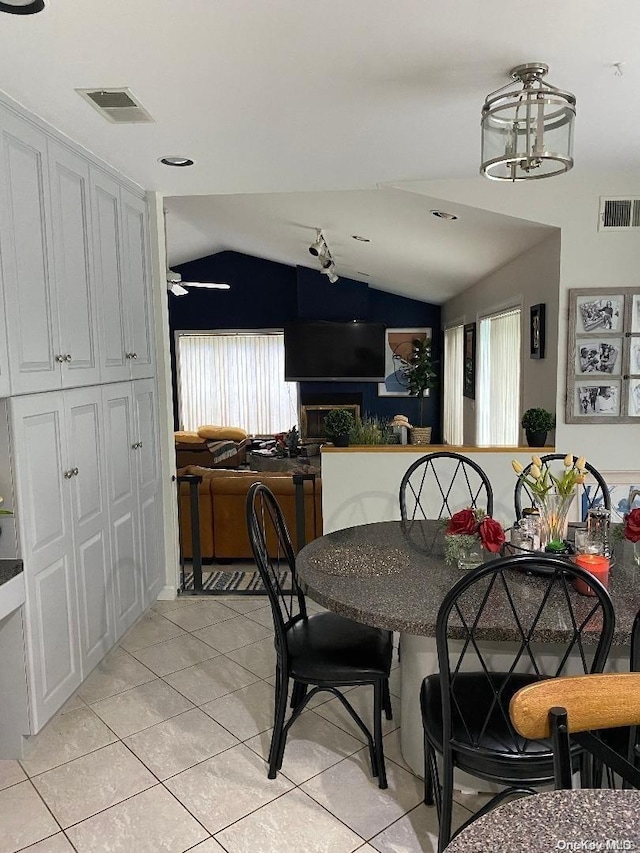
(116, 105)
(619, 214)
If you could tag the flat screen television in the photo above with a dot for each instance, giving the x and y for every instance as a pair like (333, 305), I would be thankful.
(338, 352)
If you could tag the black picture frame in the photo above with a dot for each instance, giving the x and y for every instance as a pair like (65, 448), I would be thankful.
(537, 330)
(469, 362)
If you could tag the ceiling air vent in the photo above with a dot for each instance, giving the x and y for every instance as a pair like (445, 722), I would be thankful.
(116, 105)
(619, 214)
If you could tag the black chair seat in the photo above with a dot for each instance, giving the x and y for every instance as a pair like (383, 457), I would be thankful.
(327, 647)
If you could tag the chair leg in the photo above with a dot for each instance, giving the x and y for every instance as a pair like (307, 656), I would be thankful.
(297, 694)
(386, 700)
(428, 775)
(378, 690)
(446, 803)
(277, 738)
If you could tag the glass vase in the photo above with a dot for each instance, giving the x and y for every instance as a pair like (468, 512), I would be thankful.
(554, 511)
(471, 556)
(636, 553)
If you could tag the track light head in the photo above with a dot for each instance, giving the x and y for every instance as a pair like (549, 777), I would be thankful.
(316, 249)
(325, 262)
(332, 276)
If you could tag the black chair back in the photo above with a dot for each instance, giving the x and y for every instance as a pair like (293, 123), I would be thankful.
(597, 496)
(439, 484)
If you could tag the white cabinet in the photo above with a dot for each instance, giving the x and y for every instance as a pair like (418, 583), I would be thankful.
(122, 274)
(5, 384)
(62, 516)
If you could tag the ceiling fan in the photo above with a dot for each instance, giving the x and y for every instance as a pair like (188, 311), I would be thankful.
(178, 287)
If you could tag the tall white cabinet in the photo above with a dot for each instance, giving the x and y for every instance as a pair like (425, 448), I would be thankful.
(77, 361)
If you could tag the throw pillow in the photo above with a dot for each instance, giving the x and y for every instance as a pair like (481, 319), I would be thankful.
(184, 437)
(221, 433)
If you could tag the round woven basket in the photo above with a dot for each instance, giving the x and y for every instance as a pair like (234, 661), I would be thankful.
(421, 435)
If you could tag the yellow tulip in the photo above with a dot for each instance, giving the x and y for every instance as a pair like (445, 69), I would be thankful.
(568, 460)
(517, 467)
(535, 472)
(581, 463)
(537, 461)
(580, 478)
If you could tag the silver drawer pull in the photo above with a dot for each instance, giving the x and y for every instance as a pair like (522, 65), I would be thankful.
(137, 445)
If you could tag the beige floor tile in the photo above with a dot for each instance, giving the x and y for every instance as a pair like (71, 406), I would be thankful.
(176, 744)
(312, 746)
(119, 671)
(90, 784)
(416, 832)
(65, 737)
(54, 844)
(263, 617)
(319, 699)
(200, 615)
(152, 628)
(163, 607)
(366, 848)
(259, 658)
(150, 822)
(208, 846)
(72, 704)
(292, 822)
(245, 712)
(24, 818)
(226, 787)
(393, 750)
(141, 707)
(245, 603)
(11, 773)
(362, 700)
(474, 802)
(233, 633)
(172, 655)
(351, 793)
(209, 680)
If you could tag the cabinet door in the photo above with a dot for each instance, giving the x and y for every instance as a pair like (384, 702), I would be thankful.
(70, 222)
(137, 285)
(107, 257)
(5, 384)
(123, 506)
(44, 518)
(90, 523)
(149, 490)
(27, 258)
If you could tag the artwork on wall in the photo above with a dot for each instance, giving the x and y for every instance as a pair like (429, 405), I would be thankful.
(624, 491)
(537, 331)
(603, 357)
(399, 344)
(469, 361)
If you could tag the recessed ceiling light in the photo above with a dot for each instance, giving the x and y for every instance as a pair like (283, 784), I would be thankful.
(442, 214)
(22, 7)
(173, 160)
(361, 239)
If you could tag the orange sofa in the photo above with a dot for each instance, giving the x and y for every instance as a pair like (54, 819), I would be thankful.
(222, 497)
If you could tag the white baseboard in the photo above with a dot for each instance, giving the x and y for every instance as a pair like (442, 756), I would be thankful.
(167, 593)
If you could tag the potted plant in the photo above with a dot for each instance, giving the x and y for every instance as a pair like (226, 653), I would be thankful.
(537, 423)
(338, 424)
(420, 375)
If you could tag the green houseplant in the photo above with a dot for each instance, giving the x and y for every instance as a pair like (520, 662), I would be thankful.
(419, 372)
(537, 423)
(338, 424)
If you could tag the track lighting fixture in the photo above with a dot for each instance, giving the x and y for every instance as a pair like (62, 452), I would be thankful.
(320, 250)
(319, 247)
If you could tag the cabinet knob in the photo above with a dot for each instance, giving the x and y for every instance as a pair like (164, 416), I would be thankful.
(134, 355)
(137, 445)
(68, 474)
(74, 471)
(68, 357)
(60, 358)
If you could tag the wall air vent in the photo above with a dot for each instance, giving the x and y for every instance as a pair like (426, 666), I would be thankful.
(116, 105)
(619, 214)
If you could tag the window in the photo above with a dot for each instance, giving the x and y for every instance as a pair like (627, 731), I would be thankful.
(453, 356)
(499, 379)
(234, 379)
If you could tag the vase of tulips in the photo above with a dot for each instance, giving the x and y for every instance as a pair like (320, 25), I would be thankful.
(552, 495)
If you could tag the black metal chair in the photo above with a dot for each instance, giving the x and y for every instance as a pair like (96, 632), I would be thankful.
(323, 650)
(465, 708)
(596, 497)
(581, 710)
(443, 483)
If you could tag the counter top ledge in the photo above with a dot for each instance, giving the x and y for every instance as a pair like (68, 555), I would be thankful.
(432, 448)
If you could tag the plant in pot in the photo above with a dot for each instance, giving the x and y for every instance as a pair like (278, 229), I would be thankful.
(537, 423)
(337, 425)
(419, 373)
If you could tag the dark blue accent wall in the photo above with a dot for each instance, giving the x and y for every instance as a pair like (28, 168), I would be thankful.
(266, 295)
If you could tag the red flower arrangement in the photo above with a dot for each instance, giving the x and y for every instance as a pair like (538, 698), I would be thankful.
(475, 526)
(631, 529)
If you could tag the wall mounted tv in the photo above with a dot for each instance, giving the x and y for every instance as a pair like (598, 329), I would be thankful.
(339, 352)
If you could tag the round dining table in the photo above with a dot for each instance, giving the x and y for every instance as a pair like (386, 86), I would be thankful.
(582, 820)
(392, 574)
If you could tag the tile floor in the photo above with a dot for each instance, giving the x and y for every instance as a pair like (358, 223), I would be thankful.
(163, 749)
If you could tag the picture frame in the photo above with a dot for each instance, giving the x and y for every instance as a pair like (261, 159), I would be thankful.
(469, 361)
(398, 347)
(537, 330)
(603, 356)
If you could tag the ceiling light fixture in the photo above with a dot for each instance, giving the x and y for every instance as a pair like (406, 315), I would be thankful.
(22, 7)
(361, 239)
(527, 133)
(174, 160)
(320, 250)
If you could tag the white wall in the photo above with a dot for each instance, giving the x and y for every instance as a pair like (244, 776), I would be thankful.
(532, 277)
(588, 258)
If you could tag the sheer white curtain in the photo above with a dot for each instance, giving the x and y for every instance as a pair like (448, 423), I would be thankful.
(499, 379)
(453, 368)
(235, 380)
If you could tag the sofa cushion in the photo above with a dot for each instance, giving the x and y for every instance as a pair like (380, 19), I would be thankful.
(221, 433)
(184, 437)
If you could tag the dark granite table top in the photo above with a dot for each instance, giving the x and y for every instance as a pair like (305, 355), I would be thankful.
(557, 820)
(392, 574)
(9, 568)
